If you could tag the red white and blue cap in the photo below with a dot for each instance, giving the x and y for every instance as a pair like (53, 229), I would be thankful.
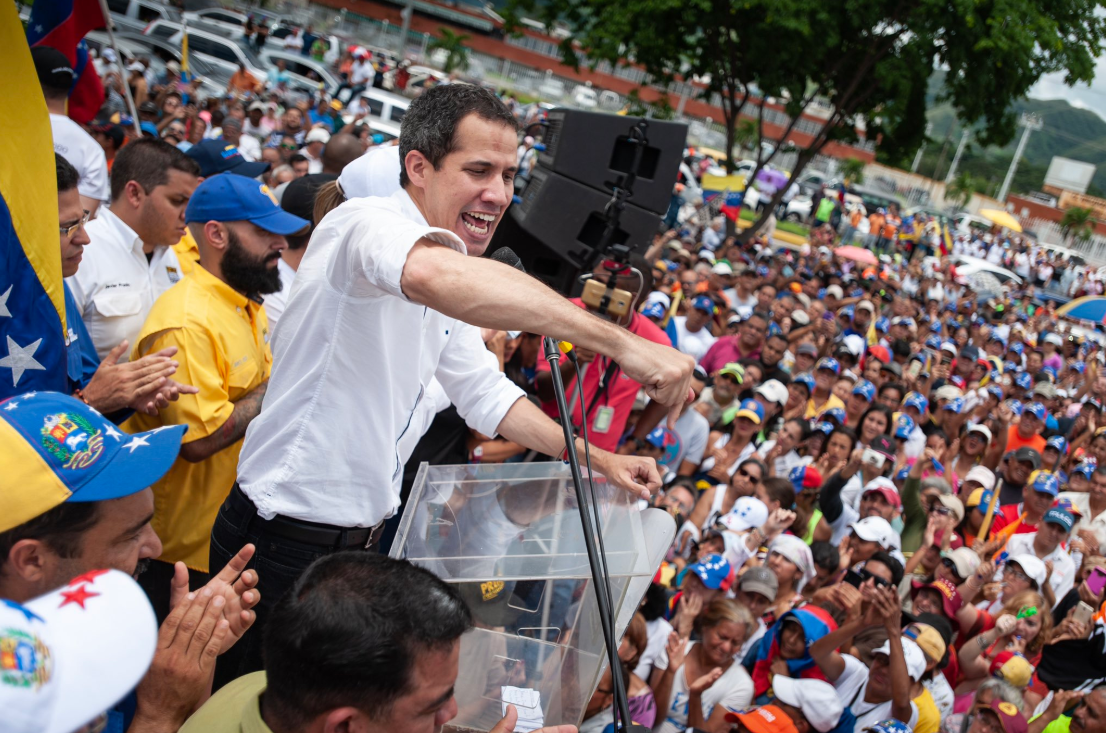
(653, 310)
(69, 655)
(703, 303)
(830, 364)
(1037, 410)
(56, 449)
(714, 571)
(1084, 469)
(865, 389)
(231, 197)
(805, 477)
(1044, 482)
(904, 426)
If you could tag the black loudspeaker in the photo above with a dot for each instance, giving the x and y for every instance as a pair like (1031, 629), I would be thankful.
(594, 148)
(558, 224)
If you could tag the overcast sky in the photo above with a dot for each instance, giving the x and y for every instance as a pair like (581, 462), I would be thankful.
(1092, 97)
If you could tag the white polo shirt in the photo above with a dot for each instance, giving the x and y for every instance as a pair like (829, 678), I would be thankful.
(115, 287)
(352, 360)
(83, 153)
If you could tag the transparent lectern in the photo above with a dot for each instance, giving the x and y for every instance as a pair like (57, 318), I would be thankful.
(510, 537)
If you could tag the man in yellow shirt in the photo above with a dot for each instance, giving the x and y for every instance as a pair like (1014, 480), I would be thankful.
(823, 398)
(215, 319)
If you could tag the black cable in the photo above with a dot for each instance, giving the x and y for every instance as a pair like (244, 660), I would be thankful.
(593, 513)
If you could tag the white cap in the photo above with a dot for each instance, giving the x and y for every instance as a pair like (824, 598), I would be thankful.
(855, 344)
(135, 66)
(109, 55)
(866, 305)
(835, 291)
(982, 474)
(1054, 339)
(747, 512)
(317, 135)
(1032, 566)
(915, 657)
(376, 173)
(800, 318)
(722, 269)
(260, 106)
(658, 297)
(965, 559)
(706, 254)
(71, 654)
(774, 391)
(817, 699)
(876, 529)
(948, 392)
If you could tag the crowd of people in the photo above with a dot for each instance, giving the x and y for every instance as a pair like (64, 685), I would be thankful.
(888, 493)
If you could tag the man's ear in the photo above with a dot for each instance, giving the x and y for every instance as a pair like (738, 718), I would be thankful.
(30, 561)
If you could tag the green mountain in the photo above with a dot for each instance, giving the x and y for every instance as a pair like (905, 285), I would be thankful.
(1066, 131)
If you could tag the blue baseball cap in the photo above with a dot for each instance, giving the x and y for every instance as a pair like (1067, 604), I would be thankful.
(752, 410)
(935, 327)
(830, 364)
(219, 156)
(1051, 372)
(834, 413)
(1037, 410)
(904, 426)
(865, 389)
(60, 450)
(713, 571)
(804, 379)
(1044, 482)
(1084, 469)
(889, 726)
(934, 342)
(903, 473)
(1056, 515)
(660, 437)
(1009, 366)
(231, 197)
(995, 390)
(824, 427)
(1023, 380)
(653, 310)
(915, 399)
(1079, 366)
(1015, 406)
(1059, 442)
(1018, 348)
(703, 303)
(149, 128)
(883, 324)
(997, 337)
(956, 405)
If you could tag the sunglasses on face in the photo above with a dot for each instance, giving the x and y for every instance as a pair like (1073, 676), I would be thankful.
(286, 146)
(944, 511)
(745, 474)
(867, 575)
(1018, 574)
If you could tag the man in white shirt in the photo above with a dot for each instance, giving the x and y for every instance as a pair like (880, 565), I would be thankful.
(70, 140)
(294, 41)
(361, 75)
(382, 304)
(314, 143)
(693, 336)
(254, 125)
(130, 260)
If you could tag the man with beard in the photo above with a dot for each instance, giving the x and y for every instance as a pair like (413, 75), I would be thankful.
(215, 318)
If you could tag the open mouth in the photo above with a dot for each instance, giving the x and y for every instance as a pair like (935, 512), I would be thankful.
(478, 223)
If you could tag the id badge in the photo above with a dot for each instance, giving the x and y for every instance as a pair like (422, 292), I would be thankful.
(603, 419)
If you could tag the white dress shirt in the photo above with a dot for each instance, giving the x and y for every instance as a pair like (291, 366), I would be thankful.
(115, 287)
(276, 302)
(83, 153)
(351, 363)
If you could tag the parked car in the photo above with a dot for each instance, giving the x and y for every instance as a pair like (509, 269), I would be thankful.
(967, 266)
(383, 106)
(306, 71)
(213, 83)
(584, 97)
(799, 208)
(551, 89)
(135, 15)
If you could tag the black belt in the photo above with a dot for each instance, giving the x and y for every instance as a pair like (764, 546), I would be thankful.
(298, 530)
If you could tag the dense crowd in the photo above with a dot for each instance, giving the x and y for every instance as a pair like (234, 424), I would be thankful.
(888, 486)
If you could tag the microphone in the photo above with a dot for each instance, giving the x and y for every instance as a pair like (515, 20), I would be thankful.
(507, 256)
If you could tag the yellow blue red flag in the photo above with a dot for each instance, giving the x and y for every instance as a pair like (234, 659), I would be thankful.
(32, 301)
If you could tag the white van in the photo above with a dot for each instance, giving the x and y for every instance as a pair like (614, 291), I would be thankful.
(135, 15)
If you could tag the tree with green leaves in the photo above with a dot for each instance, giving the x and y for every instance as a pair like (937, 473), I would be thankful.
(960, 189)
(453, 46)
(745, 135)
(867, 63)
(852, 170)
(1077, 224)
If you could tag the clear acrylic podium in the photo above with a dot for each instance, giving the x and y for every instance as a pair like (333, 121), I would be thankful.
(510, 537)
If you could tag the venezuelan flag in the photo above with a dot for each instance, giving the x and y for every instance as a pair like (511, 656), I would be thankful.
(946, 239)
(61, 24)
(32, 310)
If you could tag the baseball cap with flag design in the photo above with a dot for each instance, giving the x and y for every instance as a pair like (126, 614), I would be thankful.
(714, 571)
(56, 449)
(68, 656)
(219, 156)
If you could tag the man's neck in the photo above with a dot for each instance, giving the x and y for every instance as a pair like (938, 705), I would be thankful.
(1038, 550)
(820, 396)
(124, 213)
(216, 269)
(726, 401)
(293, 257)
(56, 106)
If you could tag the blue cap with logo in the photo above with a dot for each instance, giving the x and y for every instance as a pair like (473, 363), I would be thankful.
(804, 379)
(916, 400)
(1023, 380)
(904, 426)
(865, 389)
(883, 324)
(1056, 515)
(60, 450)
(829, 364)
(219, 156)
(823, 427)
(889, 726)
(713, 571)
(1079, 366)
(1044, 482)
(934, 342)
(955, 405)
(752, 410)
(995, 391)
(833, 414)
(1018, 348)
(231, 197)
(653, 310)
(1015, 406)
(1058, 442)
(1037, 410)
(1084, 469)
(703, 303)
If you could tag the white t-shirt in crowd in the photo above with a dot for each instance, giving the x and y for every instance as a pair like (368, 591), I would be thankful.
(694, 432)
(362, 72)
(786, 463)
(656, 634)
(83, 153)
(851, 686)
(693, 343)
(733, 690)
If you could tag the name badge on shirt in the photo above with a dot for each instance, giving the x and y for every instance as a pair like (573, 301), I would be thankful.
(174, 276)
(603, 419)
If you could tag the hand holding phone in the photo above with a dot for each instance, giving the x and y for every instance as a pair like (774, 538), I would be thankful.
(1083, 613)
(1096, 581)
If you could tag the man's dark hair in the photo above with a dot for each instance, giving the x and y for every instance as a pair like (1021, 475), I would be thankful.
(431, 122)
(297, 158)
(892, 564)
(147, 161)
(67, 174)
(761, 315)
(166, 98)
(60, 528)
(825, 555)
(901, 347)
(350, 632)
(781, 490)
(892, 385)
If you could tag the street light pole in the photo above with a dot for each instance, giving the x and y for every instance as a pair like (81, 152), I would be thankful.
(956, 158)
(1029, 123)
(406, 14)
(921, 149)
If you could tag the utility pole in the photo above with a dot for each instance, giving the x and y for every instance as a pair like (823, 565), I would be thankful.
(956, 158)
(406, 14)
(921, 149)
(1029, 123)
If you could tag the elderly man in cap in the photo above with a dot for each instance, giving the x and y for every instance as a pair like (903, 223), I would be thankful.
(216, 320)
(1048, 544)
(693, 336)
(81, 504)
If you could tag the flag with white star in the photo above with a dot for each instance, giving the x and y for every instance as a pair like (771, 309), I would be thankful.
(32, 323)
(62, 24)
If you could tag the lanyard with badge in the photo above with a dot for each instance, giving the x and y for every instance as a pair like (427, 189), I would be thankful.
(604, 416)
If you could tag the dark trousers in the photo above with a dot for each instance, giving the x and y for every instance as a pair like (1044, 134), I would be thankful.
(278, 562)
(156, 580)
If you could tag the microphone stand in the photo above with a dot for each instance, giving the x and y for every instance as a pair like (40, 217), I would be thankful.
(598, 577)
